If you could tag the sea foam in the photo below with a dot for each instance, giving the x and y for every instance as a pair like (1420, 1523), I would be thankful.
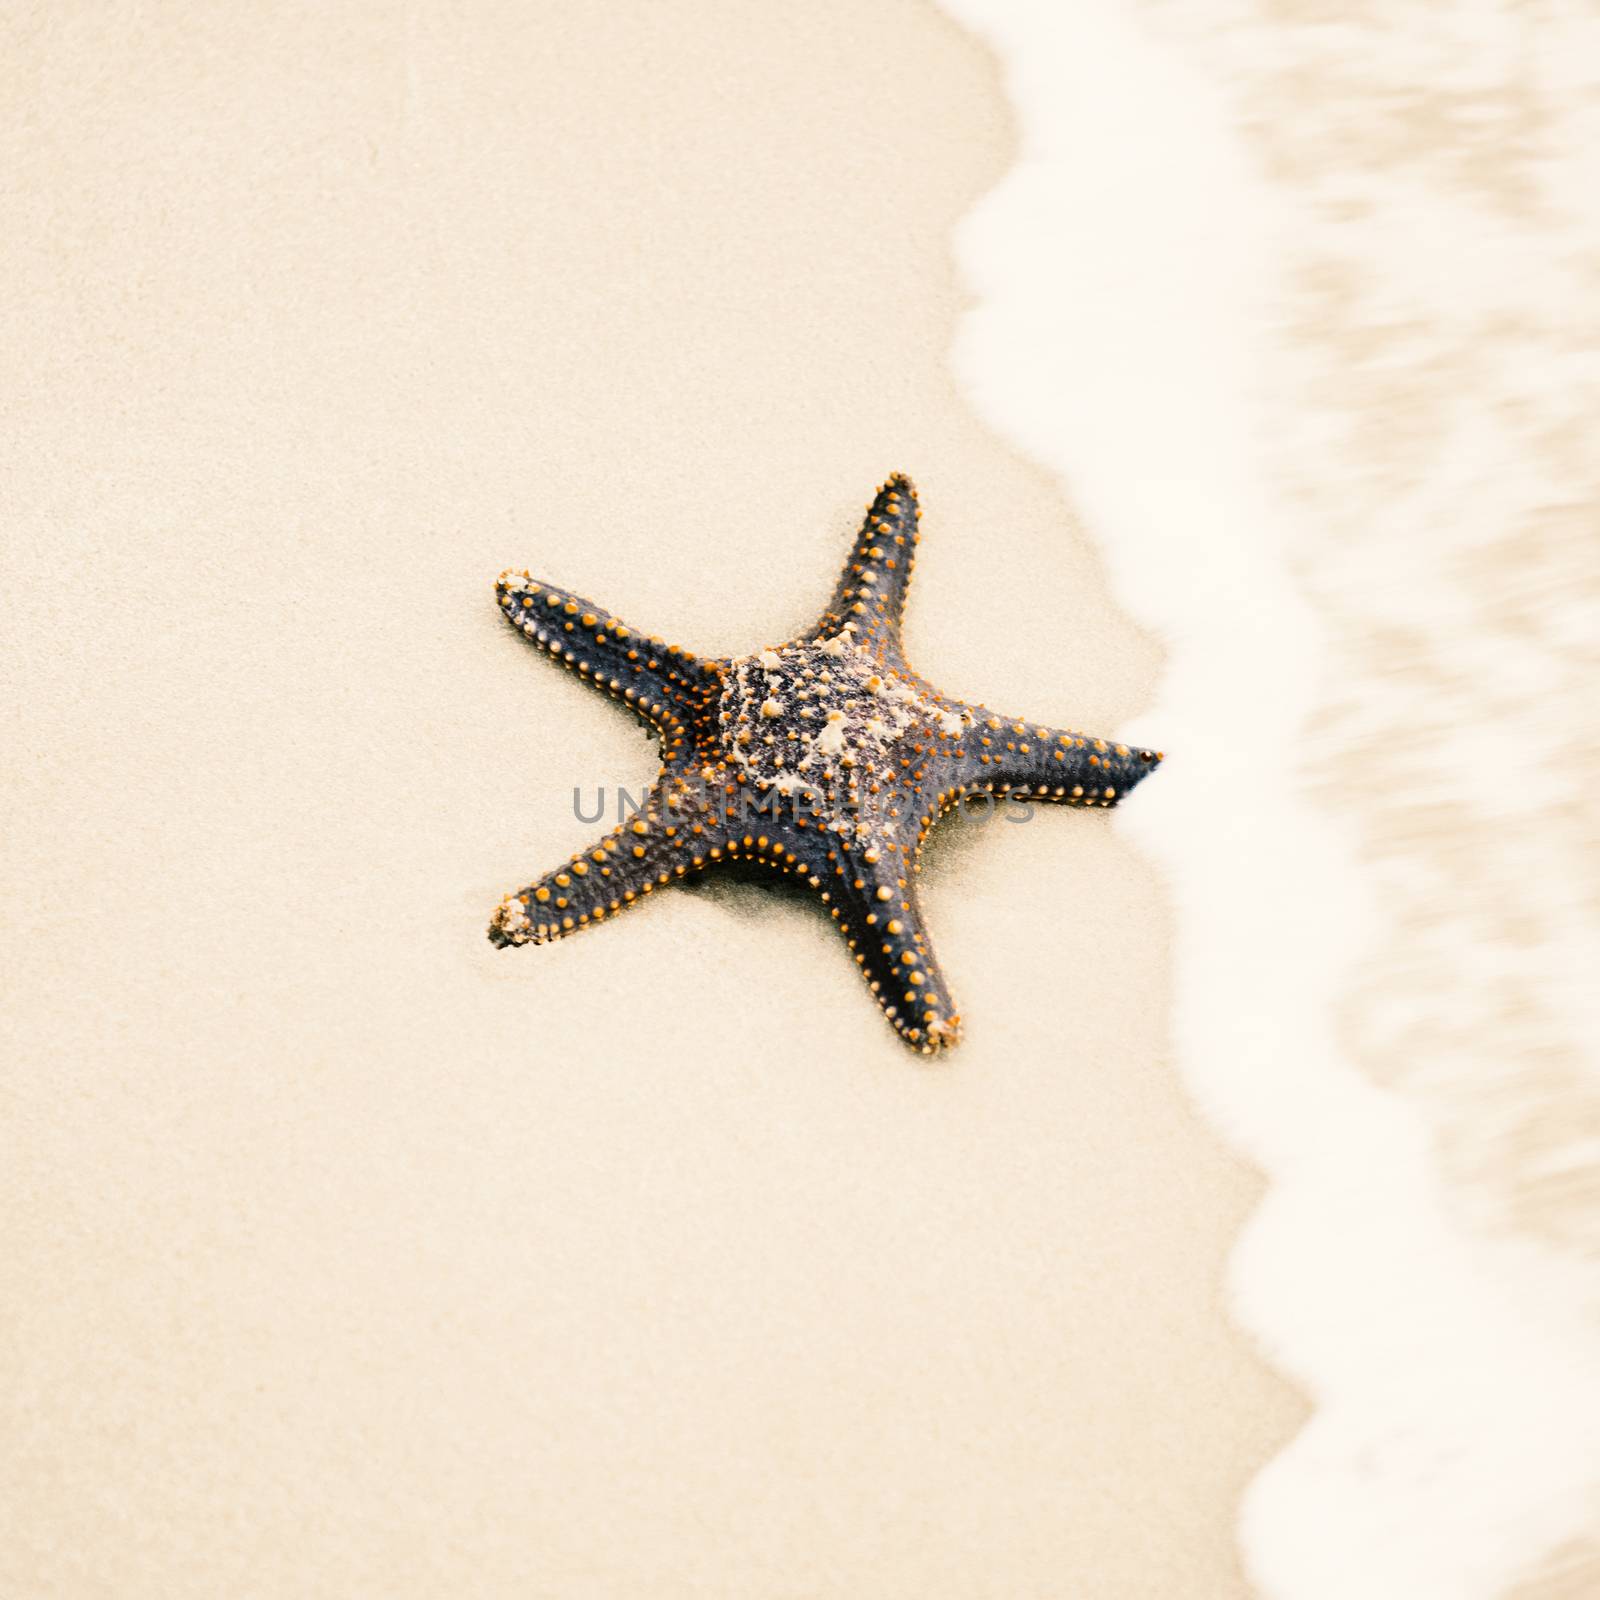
(1131, 275)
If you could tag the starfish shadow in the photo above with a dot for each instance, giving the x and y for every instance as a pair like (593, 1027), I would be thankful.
(750, 893)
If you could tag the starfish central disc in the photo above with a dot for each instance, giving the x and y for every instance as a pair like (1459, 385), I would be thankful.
(823, 715)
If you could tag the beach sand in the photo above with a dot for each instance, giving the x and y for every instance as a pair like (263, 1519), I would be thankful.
(346, 1255)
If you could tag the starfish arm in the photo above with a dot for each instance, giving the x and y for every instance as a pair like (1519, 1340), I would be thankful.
(1008, 756)
(665, 839)
(665, 684)
(870, 597)
(878, 914)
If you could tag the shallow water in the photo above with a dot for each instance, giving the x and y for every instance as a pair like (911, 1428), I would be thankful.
(1302, 312)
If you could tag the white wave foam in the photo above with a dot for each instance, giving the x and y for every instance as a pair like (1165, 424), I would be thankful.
(1126, 278)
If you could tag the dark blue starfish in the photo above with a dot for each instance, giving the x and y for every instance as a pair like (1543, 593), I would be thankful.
(826, 757)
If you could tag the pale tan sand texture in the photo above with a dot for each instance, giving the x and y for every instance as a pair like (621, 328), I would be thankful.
(344, 1255)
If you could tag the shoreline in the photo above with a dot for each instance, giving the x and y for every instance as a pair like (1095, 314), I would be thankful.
(1321, 409)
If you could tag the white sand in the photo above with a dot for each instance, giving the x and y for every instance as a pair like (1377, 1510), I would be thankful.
(344, 1255)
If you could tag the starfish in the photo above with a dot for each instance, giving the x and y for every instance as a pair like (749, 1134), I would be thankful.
(825, 757)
